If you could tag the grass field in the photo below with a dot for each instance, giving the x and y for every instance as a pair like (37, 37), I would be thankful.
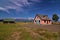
(29, 31)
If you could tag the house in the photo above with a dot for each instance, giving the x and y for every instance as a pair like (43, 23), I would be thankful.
(8, 21)
(42, 19)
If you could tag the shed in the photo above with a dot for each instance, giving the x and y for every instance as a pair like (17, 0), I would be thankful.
(8, 21)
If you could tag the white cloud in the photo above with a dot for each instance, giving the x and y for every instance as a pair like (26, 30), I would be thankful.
(20, 2)
(30, 18)
(36, 0)
(16, 4)
(10, 7)
(3, 9)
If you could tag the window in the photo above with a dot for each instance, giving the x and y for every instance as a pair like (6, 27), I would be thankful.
(39, 20)
(49, 21)
(35, 20)
(44, 21)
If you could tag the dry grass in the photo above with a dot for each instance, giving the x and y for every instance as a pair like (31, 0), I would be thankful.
(56, 23)
(22, 31)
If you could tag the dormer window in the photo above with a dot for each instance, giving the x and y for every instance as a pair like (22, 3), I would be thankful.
(45, 16)
(37, 17)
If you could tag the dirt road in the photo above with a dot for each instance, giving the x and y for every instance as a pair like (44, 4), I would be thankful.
(53, 28)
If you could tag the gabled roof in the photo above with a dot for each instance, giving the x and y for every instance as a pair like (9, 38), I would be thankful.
(8, 19)
(42, 17)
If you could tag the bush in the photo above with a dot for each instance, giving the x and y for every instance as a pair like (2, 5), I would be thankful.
(56, 23)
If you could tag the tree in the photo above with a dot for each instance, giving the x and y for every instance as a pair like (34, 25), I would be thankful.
(55, 17)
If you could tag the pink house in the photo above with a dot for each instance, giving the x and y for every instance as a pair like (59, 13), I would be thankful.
(42, 19)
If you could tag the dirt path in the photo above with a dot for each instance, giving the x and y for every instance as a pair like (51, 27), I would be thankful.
(53, 28)
(14, 36)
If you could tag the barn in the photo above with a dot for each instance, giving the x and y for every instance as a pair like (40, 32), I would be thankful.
(1, 20)
(8, 21)
(42, 19)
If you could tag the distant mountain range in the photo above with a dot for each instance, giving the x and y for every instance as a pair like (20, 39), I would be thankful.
(24, 20)
(21, 20)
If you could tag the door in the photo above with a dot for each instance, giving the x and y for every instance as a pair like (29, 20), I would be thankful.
(37, 21)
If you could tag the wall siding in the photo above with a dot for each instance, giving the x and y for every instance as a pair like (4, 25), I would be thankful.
(41, 21)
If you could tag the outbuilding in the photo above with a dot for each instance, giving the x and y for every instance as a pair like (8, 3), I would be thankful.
(8, 21)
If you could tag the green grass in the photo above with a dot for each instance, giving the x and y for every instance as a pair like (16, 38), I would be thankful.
(6, 30)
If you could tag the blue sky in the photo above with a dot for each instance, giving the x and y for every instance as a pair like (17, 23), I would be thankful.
(28, 8)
